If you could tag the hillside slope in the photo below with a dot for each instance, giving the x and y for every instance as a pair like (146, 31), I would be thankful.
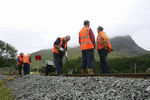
(123, 46)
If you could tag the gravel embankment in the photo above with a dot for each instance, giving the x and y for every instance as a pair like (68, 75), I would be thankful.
(35, 87)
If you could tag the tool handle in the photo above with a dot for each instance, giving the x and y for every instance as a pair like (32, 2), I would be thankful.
(67, 62)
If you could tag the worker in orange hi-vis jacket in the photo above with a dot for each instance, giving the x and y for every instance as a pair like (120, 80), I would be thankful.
(87, 44)
(20, 62)
(26, 62)
(103, 48)
(59, 50)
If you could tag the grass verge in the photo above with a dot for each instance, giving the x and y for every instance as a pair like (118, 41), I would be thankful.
(5, 93)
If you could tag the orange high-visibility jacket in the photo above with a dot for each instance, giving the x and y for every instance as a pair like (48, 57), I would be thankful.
(84, 38)
(56, 50)
(26, 59)
(100, 43)
(21, 59)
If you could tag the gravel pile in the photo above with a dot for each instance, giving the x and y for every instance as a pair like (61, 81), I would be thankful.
(35, 87)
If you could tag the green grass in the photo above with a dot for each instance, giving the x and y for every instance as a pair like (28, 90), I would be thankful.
(5, 93)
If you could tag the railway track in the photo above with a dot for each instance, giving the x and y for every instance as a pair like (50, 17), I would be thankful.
(126, 75)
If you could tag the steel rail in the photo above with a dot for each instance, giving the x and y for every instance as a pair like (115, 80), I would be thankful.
(125, 75)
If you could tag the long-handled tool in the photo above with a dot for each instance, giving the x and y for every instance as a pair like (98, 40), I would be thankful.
(70, 70)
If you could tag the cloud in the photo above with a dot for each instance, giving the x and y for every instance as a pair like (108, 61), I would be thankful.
(23, 40)
(34, 25)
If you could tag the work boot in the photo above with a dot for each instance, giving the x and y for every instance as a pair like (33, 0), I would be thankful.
(90, 71)
(83, 71)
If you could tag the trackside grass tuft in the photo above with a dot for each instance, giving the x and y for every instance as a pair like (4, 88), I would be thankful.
(5, 93)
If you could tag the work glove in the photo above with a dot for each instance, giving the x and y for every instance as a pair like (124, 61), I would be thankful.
(66, 54)
(61, 49)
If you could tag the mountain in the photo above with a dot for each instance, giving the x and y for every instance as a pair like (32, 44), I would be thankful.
(127, 45)
(123, 46)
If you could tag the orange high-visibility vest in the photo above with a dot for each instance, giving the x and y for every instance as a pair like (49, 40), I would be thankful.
(21, 59)
(100, 43)
(84, 38)
(26, 59)
(56, 50)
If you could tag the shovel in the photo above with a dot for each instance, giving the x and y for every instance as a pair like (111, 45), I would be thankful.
(70, 70)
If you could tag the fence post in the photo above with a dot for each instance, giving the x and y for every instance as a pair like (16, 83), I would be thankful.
(37, 66)
(135, 68)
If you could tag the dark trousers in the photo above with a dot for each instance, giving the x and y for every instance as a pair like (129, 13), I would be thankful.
(87, 59)
(58, 63)
(103, 63)
(20, 67)
(26, 68)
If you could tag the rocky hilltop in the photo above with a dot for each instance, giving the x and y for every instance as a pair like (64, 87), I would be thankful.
(123, 44)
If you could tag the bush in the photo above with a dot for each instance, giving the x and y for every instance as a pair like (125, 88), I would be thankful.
(116, 65)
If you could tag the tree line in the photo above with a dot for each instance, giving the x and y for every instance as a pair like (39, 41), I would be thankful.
(116, 65)
(8, 58)
(7, 55)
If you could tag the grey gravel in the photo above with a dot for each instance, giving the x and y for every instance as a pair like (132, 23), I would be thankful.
(1, 70)
(36, 87)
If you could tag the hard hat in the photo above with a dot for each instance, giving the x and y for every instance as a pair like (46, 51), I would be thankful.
(86, 22)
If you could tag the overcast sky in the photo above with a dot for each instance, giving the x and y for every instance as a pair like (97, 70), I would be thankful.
(32, 25)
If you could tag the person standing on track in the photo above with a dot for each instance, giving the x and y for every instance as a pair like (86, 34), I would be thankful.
(87, 44)
(60, 49)
(103, 48)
